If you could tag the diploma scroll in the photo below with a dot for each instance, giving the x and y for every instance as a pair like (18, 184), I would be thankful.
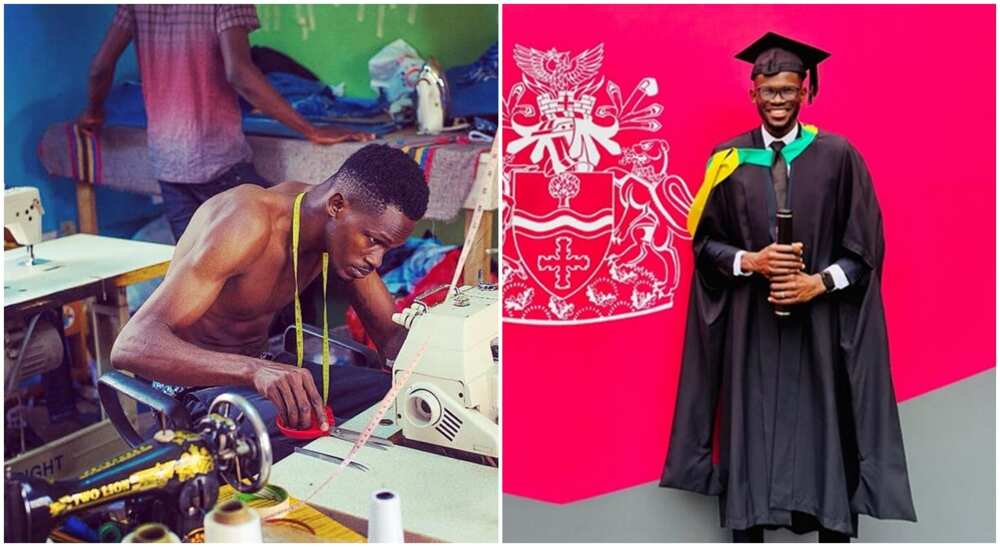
(784, 238)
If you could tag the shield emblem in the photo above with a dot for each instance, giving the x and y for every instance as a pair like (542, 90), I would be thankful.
(562, 226)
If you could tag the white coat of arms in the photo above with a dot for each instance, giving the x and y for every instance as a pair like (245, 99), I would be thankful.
(590, 221)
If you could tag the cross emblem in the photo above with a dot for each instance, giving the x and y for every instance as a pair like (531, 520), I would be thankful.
(566, 100)
(563, 262)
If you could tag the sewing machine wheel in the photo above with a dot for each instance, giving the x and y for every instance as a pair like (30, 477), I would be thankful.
(251, 456)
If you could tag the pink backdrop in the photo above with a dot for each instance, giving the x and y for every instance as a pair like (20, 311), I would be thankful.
(587, 409)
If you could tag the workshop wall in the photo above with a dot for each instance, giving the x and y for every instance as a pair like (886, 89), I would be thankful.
(336, 41)
(48, 50)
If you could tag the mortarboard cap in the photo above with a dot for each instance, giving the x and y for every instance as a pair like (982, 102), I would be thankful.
(774, 53)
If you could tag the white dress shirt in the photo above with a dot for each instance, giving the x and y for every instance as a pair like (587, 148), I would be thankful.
(839, 277)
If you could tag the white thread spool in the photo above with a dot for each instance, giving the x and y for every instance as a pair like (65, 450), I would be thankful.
(233, 522)
(153, 532)
(385, 520)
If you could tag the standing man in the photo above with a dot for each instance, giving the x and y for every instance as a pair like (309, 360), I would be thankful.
(194, 60)
(808, 432)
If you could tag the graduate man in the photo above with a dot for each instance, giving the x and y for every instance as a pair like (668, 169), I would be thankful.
(801, 405)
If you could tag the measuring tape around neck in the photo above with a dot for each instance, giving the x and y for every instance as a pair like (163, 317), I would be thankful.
(299, 349)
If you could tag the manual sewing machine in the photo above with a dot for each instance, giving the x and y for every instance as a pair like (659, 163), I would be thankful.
(23, 218)
(173, 478)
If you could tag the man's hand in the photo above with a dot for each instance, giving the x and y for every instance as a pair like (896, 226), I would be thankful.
(796, 288)
(293, 393)
(91, 120)
(774, 260)
(332, 135)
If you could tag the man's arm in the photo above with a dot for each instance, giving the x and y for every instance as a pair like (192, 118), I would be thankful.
(251, 83)
(149, 346)
(375, 306)
(102, 74)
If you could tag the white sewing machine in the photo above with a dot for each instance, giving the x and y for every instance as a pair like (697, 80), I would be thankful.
(22, 215)
(76, 267)
(451, 398)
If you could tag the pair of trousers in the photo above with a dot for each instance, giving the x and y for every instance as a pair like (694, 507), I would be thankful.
(181, 200)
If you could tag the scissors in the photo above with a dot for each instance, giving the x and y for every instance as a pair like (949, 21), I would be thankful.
(329, 458)
(353, 436)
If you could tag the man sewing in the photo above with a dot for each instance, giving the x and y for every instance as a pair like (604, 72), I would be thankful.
(195, 61)
(234, 268)
(808, 431)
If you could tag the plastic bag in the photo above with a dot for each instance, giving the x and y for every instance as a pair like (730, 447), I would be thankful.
(394, 72)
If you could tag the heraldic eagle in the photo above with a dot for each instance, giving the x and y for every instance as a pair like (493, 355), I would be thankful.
(555, 71)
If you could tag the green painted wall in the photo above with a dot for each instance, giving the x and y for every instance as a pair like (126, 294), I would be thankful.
(339, 46)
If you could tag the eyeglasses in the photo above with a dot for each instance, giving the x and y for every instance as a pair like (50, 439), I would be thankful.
(769, 93)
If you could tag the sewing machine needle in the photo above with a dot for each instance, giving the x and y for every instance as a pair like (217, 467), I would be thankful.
(329, 458)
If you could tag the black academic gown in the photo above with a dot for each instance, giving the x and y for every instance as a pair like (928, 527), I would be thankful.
(808, 427)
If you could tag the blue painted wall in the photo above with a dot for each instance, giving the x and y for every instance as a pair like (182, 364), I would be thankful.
(47, 53)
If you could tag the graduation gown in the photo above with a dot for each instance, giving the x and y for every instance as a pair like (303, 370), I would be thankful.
(793, 421)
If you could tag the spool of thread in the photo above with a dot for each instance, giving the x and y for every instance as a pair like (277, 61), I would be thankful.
(233, 522)
(153, 532)
(269, 502)
(385, 520)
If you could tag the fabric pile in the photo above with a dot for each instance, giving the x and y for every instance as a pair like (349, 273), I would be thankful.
(418, 266)
(474, 88)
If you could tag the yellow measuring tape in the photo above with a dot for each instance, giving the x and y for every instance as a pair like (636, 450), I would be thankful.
(299, 350)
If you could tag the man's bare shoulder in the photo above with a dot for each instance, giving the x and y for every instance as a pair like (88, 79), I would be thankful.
(231, 229)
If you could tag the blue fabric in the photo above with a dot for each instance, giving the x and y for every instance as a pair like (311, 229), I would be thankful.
(484, 125)
(474, 88)
(259, 125)
(427, 253)
(315, 101)
(181, 200)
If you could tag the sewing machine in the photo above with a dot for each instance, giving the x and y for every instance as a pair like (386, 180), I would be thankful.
(451, 398)
(173, 478)
(63, 437)
(32, 346)
(22, 215)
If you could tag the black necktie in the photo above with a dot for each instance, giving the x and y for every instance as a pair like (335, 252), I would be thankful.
(779, 175)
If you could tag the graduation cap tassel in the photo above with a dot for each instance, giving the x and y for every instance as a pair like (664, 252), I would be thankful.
(813, 83)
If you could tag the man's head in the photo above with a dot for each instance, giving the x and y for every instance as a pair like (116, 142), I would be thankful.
(373, 202)
(778, 99)
(780, 67)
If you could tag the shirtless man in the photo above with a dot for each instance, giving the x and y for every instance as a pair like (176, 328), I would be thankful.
(232, 271)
